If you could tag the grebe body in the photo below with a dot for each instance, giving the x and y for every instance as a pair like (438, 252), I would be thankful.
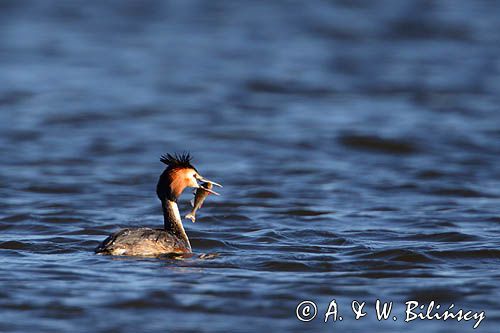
(178, 175)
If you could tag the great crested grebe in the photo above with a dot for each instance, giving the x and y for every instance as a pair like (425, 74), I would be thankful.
(178, 175)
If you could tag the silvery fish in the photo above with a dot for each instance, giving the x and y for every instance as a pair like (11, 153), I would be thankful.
(199, 197)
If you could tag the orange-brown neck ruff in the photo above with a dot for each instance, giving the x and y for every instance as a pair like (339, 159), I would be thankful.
(178, 181)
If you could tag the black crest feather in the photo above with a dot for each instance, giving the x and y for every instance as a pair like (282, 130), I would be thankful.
(174, 161)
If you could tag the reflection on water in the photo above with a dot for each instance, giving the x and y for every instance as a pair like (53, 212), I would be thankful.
(357, 143)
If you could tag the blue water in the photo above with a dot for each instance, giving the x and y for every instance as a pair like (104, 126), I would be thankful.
(357, 142)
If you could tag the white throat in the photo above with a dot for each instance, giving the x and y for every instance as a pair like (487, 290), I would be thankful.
(177, 221)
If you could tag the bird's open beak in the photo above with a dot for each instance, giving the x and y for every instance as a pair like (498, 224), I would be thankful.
(208, 190)
(201, 179)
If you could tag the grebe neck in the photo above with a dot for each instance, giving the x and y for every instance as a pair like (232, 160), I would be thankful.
(173, 222)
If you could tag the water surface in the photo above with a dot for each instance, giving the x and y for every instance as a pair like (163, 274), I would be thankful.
(358, 144)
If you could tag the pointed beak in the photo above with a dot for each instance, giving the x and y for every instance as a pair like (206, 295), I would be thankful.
(208, 190)
(201, 179)
(208, 182)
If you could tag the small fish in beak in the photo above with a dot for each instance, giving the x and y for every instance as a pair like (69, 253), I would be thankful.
(200, 195)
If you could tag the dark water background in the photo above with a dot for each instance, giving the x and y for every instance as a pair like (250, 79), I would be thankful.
(358, 143)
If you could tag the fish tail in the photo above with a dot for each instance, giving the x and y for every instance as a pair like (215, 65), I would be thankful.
(191, 217)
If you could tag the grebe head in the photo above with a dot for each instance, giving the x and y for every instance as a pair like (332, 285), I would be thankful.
(178, 175)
